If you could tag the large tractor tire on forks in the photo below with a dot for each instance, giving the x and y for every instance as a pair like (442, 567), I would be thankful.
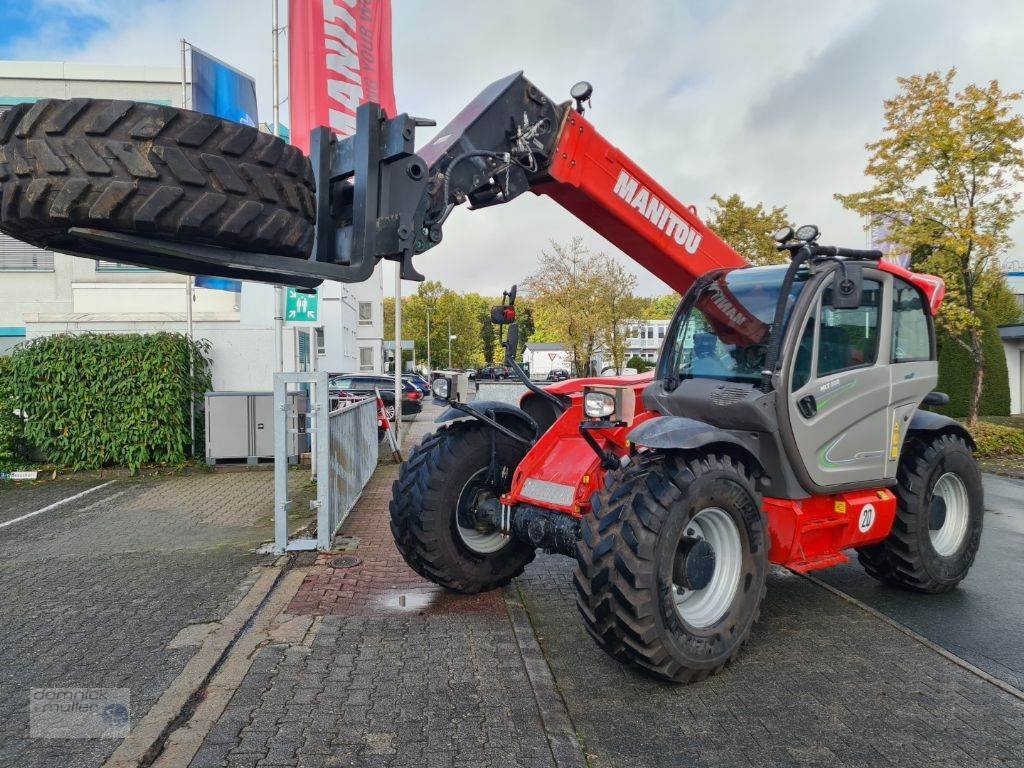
(150, 170)
(939, 515)
(672, 562)
(434, 499)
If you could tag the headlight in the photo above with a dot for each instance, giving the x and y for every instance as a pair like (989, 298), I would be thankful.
(598, 405)
(441, 388)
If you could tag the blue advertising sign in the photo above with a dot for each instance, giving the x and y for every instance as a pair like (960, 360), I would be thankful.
(218, 283)
(221, 90)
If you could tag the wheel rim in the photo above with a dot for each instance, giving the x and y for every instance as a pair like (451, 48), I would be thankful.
(704, 607)
(949, 535)
(389, 411)
(472, 494)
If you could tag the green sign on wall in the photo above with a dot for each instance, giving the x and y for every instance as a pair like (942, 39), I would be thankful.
(301, 307)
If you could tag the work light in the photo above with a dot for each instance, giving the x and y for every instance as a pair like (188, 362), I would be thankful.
(441, 388)
(598, 405)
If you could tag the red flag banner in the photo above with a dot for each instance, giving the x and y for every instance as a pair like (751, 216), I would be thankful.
(339, 55)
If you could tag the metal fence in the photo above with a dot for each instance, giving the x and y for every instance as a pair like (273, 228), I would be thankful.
(353, 456)
(503, 391)
(344, 450)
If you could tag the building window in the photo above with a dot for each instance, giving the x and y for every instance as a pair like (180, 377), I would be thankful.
(16, 256)
(366, 358)
(119, 266)
(366, 313)
(661, 331)
(318, 340)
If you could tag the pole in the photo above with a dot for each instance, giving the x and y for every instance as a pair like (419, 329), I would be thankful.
(398, 353)
(449, 343)
(191, 364)
(430, 370)
(276, 109)
(184, 75)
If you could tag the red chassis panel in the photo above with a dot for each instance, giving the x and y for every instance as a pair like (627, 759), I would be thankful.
(561, 473)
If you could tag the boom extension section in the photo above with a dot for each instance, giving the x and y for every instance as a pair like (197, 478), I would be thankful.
(378, 199)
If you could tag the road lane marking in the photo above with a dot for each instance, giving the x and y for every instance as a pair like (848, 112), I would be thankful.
(57, 504)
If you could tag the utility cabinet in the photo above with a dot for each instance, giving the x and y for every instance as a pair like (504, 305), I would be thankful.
(240, 426)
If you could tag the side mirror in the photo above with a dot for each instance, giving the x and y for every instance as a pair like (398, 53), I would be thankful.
(848, 287)
(512, 343)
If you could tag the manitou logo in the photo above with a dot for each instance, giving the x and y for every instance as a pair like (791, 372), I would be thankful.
(726, 306)
(660, 215)
(345, 90)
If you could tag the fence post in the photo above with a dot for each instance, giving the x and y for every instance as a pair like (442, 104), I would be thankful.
(322, 411)
(280, 464)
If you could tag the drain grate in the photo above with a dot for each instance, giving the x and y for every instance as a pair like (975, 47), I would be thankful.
(345, 561)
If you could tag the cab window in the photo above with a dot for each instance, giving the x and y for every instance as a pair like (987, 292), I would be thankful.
(911, 337)
(849, 337)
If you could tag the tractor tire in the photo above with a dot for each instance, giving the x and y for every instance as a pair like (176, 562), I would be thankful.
(150, 170)
(657, 507)
(939, 516)
(431, 509)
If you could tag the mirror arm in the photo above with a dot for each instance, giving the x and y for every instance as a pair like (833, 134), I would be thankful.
(525, 381)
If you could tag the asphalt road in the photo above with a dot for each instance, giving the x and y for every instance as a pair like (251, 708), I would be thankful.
(982, 620)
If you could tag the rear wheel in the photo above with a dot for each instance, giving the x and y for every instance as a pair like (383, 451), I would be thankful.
(152, 170)
(672, 563)
(939, 515)
(434, 508)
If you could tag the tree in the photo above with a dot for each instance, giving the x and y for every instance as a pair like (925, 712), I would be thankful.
(582, 300)
(661, 307)
(447, 309)
(943, 182)
(616, 304)
(638, 364)
(748, 228)
(562, 292)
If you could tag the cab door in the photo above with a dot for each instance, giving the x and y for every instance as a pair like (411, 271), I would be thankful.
(840, 384)
(914, 370)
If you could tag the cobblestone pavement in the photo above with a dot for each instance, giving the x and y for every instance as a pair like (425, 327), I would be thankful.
(94, 590)
(821, 683)
(400, 673)
(982, 620)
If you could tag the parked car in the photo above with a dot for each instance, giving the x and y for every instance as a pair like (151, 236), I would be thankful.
(366, 383)
(417, 381)
(495, 373)
(558, 374)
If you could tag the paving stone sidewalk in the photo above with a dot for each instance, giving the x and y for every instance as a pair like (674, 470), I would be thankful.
(400, 674)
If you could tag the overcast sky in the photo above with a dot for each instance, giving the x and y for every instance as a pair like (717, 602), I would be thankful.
(772, 100)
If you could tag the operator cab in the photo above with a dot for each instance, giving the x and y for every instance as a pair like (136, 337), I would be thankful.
(827, 405)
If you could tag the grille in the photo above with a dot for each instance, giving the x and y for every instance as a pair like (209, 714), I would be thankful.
(729, 395)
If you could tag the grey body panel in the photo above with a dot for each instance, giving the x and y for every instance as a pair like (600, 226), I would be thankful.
(709, 411)
(505, 414)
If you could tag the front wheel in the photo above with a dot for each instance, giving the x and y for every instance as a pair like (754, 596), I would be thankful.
(434, 509)
(939, 515)
(672, 563)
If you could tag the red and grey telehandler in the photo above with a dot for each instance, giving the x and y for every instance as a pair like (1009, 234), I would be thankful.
(783, 423)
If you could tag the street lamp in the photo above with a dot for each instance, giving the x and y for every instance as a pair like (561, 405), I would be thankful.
(429, 367)
(450, 338)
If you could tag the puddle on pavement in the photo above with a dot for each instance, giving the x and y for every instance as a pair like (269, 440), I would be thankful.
(434, 601)
(418, 601)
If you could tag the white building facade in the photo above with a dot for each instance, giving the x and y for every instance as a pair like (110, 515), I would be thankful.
(43, 293)
(644, 338)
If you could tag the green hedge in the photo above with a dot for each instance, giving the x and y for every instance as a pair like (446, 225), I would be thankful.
(94, 400)
(11, 430)
(956, 375)
(996, 440)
